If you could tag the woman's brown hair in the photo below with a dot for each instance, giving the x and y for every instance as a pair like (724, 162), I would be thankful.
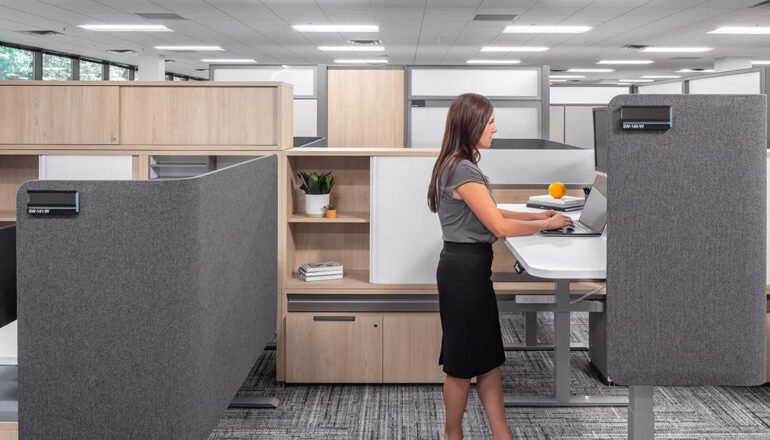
(465, 123)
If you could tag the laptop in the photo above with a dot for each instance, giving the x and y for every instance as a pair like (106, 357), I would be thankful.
(592, 220)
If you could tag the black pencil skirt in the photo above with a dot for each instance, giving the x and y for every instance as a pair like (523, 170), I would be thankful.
(472, 343)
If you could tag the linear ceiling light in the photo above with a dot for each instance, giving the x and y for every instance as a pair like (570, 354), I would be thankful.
(742, 30)
(336, 28)
(362, 61)
(760, 62)
(557, 80)
(229, 60)
(636, 80)
(193, 48)
(493, 61)
(125, 27)
(696, 71)
(661, 76)
(567, 76)
(352, 48)
(676, 49)
(625, 62)
(518, 29)
(580, 70)
(513, 49)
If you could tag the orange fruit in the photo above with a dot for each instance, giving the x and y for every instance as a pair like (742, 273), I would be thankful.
(557, 190)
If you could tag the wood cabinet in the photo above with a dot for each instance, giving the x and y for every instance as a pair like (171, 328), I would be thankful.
(59, 114)
(157, 115)
(366, 108)
(333, 348)
(411, 346)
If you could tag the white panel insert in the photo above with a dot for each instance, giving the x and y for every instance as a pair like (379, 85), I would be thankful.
(404, 249)
(302, 78)
(66, 167)
(743, 84)
(585, 95)
(305, 117)
(673, 88)
(427, 124)
(487, 82)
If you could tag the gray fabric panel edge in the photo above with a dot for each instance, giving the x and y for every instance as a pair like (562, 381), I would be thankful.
(686, 300)
(141, 316)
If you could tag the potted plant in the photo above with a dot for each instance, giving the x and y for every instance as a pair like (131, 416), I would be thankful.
(330, 211)
(317, 188)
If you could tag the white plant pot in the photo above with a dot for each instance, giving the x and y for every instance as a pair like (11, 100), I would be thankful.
(314, 204)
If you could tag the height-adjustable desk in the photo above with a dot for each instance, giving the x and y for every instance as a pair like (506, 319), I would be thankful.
(562, 259)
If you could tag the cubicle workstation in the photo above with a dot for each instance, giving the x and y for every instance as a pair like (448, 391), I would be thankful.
(155, 301)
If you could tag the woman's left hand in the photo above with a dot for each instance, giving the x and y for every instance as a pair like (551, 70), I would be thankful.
(547, 214)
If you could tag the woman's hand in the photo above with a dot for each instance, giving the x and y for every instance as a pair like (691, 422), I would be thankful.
(557, 221)
(545, 215)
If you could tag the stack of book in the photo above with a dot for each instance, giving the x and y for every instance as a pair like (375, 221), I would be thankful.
(323, 270)
(566, 203)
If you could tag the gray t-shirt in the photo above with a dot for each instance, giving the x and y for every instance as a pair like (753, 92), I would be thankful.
(458, 223)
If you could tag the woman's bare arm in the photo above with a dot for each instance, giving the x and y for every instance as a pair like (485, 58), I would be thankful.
(477, 198)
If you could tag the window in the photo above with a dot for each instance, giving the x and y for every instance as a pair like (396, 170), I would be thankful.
(56, 67)
(90, 71)
(118, 73)
(179, 78)
(16, 63)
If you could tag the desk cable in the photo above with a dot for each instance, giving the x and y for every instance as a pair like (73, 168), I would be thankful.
(588, 294)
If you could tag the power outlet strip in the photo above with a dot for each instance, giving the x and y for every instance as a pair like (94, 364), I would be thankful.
(535, 299)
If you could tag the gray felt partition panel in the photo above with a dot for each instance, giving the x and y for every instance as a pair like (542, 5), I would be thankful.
(686, 243)
(140, 317)
(7, 275)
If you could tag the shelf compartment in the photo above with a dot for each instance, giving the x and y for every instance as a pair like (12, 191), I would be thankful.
(14, 171)
(345, 217)
(351, 183)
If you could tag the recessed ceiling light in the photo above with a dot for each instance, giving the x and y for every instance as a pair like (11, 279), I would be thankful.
(352, 48)
(493, 61)
(676, 49)
(194, 48)
(567, 76)
(336, 28)
(760, 62)
(557, 80)
(742, 30)
(625, 62)
(517, 29)
(696, 71)
(125, 27)
(229, 61)
(513, 49)
(661, 76)
(623, 84)
(362, 61)
(580, 70)
(636, 80)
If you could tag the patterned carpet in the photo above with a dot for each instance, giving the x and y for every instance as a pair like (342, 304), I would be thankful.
(417, 412)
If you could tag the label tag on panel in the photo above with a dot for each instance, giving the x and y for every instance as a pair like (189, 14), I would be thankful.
(657, 117)
(53, 202)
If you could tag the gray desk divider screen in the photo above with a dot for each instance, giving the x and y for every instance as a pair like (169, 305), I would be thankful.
(686, 243)
(140, 317)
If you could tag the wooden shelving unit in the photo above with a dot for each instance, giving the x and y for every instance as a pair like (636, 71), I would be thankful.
(14, 171)
(349, 217)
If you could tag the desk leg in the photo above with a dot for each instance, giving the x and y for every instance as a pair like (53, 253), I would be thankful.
(530, 333)
(562, 396)
(561, 335)
(641, 416)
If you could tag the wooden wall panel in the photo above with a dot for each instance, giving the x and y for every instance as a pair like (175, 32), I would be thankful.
(199, 115)
(366, 108)
(59, 115)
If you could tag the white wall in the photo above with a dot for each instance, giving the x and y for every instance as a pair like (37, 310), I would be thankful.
(585, 95)
(487, 82)
(674, 88)
(742, 84)
(86, 167)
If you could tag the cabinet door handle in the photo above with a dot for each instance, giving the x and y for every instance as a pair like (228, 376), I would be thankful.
(334, 318)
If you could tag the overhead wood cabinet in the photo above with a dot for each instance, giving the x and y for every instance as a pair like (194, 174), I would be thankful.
(206, 115)
(63, 114)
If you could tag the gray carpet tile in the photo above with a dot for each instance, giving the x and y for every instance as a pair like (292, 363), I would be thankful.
(417, 412)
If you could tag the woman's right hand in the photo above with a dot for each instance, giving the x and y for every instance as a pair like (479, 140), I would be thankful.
(556, 222)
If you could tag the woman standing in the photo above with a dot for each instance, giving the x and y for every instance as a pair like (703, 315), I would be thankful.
(472, 344)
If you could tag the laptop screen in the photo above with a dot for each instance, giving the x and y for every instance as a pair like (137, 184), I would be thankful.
(594, 213)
